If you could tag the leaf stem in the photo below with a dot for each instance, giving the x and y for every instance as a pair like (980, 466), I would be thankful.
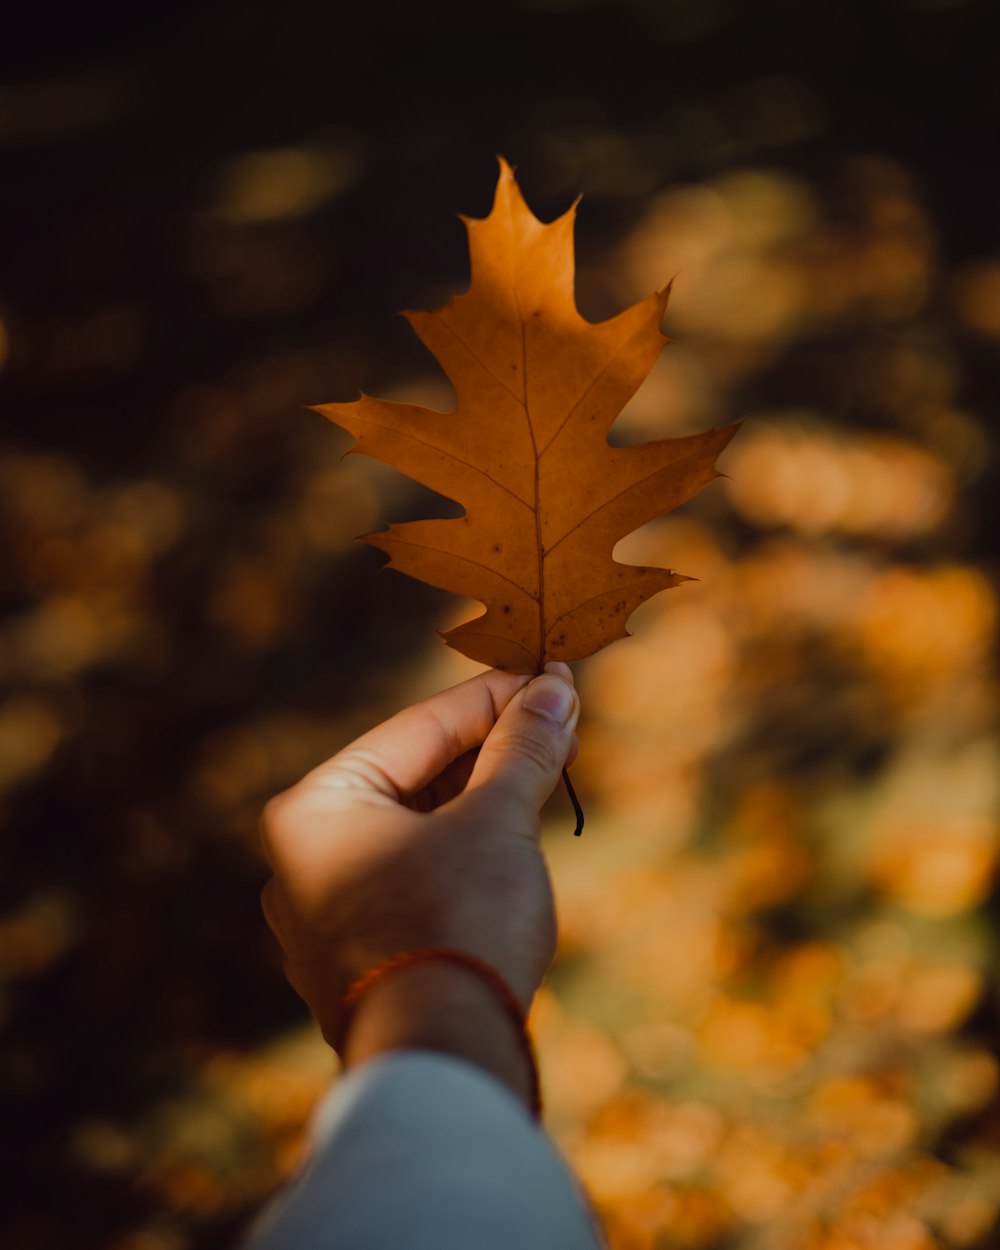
(578, 810)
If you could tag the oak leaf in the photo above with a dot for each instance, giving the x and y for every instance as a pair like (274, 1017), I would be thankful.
(525, 451)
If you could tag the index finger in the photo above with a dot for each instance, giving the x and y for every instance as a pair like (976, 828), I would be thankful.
(406, 752)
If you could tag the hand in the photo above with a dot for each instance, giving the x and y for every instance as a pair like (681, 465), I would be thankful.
(423, 832)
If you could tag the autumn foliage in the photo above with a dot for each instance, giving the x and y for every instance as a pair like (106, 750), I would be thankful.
(526, 453)
(773, 1021)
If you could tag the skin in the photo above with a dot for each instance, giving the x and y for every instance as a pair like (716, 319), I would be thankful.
(424, 832)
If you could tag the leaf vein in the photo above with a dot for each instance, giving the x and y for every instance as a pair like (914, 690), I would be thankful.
(482, 363)
(589, 387)
(600, 595)
(424, 442)
(438, 551)
(632, 485)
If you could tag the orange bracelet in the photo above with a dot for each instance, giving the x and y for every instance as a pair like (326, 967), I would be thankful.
(446, 954)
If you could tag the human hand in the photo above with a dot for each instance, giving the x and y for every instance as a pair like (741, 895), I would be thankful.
(423, 833)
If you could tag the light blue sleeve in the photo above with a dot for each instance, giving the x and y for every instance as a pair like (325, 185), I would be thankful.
(416, 1151)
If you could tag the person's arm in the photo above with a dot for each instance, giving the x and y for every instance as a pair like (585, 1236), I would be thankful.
(423, 834)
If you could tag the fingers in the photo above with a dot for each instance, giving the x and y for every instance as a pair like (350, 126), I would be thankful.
(399, 757)
(411, 751)
(269, 906)
(456, 776)
(523, 757)
(444, 787)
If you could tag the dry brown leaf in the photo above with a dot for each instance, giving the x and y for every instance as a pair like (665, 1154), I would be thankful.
(525, 452)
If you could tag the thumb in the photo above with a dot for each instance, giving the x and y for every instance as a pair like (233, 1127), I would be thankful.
(522, 758)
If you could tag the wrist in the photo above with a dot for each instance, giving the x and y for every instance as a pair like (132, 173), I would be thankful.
(443, 1007)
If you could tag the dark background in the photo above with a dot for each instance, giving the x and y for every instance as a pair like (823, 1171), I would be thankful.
(157, 334)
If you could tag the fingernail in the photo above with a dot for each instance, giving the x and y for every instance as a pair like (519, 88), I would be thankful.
(550, 697)
(561, 670)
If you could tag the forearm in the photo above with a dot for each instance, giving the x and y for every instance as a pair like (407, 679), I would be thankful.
(443, 1008)
(415, 1149)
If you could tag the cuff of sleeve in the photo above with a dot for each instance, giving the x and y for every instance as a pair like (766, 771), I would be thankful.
(426, 1151)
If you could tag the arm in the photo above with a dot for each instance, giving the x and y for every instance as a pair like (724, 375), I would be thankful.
(424, 833)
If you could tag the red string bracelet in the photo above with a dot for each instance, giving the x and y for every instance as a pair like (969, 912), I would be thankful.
(447, 954)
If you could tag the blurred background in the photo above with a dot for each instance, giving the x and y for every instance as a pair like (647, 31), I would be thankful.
(774, 1020)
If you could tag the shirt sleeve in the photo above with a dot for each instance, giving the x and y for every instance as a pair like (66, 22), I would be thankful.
(418, 1151)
